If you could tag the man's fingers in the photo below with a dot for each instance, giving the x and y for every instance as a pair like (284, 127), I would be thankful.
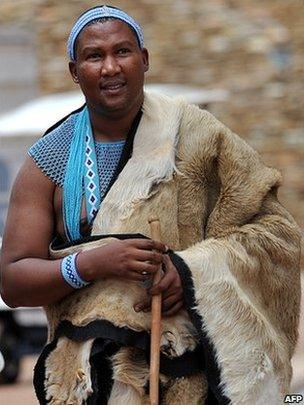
(167, 280)
(144, 267)
(168, 263)
(171, 300)
(168, 304)
(152, 256)
(163, 285)
(137, 276)
(143, 306)
(174, 310)
(148, 244)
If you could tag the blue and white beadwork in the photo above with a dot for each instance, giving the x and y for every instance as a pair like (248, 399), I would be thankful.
(52, 154)
(91, 180)
(69, 272)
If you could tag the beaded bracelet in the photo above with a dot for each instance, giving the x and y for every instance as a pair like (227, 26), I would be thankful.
(69, 272)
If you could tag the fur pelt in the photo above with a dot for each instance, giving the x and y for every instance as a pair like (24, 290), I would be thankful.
(218, 209)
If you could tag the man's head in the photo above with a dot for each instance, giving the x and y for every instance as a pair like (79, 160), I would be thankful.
(101, 14)
(108, 60)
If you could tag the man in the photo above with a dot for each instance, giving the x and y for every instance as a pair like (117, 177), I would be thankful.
(231, 276)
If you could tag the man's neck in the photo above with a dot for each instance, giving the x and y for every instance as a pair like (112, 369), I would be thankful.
(112, 127)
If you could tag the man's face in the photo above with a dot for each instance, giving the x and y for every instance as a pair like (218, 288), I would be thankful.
(110, 67)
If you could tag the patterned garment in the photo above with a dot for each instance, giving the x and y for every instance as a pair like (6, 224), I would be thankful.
(51, 154)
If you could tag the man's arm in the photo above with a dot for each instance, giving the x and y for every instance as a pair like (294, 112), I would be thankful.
(242, 282)
(242, 292)
(29, 277)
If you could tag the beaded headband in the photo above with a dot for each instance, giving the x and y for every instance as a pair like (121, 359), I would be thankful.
(101, 12)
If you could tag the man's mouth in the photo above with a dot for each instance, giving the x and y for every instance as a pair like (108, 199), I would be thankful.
(113, 87)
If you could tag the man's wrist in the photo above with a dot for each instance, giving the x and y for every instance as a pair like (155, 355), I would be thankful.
(84, 266)
(70, 274)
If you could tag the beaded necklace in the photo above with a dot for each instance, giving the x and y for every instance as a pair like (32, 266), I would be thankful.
(81, 176)
(81, 151)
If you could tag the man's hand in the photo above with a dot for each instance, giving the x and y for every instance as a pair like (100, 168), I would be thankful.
(171, 288)
(131, 259)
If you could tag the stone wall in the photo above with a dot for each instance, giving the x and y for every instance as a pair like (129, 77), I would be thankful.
(254, 49)
(17, 49)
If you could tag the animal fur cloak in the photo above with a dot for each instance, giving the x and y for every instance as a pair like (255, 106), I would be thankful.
(237, 252)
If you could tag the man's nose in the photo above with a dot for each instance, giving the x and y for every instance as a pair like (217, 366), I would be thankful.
(110, 67)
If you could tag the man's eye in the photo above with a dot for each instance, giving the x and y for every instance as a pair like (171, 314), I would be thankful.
(123, 51)
(94, 55)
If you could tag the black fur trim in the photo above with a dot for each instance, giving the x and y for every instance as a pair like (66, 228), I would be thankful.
(58, 244)
(187, 364)
(101, 371)
(211, 366)
(105, 330)
(39, 372)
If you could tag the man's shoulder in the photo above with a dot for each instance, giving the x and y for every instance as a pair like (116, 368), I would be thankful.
(196, 129)
(51, 152)
(201, 118)
(200, 130)
(162, 107)
(58, 139)
(178, 108)
(65, 121)
(202, 134)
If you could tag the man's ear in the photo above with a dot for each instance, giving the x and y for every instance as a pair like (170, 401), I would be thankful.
(145, 56)
(73, 71)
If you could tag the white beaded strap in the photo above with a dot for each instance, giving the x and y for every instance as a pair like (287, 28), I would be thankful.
(70, 274)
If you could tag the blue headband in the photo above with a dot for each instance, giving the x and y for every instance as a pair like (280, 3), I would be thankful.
(101, 12)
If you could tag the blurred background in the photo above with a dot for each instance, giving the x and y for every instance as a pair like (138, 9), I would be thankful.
(241, 59)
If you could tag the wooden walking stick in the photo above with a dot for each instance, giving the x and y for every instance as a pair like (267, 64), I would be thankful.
(155, 321)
